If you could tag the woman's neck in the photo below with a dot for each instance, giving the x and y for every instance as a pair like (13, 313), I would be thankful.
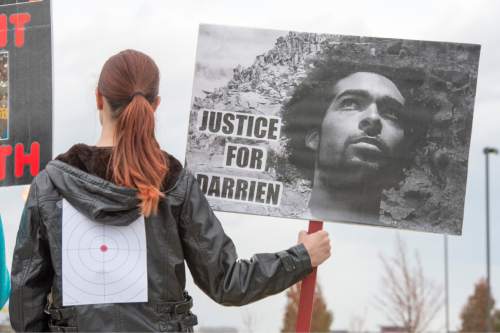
(107, 135)
(105, 141)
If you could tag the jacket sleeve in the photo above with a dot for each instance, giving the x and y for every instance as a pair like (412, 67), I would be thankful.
(32, 272)
(214, 264)
(4, 273)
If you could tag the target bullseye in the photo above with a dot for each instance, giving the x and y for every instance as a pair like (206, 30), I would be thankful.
(103, 248)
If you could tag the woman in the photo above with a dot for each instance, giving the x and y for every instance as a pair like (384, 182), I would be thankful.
(124, 176)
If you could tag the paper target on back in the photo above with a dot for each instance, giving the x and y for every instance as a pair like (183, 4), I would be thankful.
(102, 263)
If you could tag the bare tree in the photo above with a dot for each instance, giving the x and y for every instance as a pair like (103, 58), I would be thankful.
(249, 321)
(408, 298)
(357, 323)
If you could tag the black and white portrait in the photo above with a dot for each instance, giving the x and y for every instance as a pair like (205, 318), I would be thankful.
(337, 128)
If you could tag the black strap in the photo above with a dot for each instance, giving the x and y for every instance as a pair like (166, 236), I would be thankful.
(59, 314)
(57, 328)
(175, 307)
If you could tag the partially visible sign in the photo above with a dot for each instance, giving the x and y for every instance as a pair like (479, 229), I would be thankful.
(25, 90)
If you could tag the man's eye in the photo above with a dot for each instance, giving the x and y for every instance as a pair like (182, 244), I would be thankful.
(349, 104)
(391, 113)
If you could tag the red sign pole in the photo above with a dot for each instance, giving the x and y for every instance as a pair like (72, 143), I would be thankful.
(307, 291)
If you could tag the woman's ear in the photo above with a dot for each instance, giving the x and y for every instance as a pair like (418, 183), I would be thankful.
(156, 102)
(99, 100)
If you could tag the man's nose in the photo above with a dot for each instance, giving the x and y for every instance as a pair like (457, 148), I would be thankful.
(370, 121)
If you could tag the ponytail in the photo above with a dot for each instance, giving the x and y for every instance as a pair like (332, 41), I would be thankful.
(129, 81)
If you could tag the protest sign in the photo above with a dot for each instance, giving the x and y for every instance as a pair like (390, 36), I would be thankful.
(25, 90)
(328, 127)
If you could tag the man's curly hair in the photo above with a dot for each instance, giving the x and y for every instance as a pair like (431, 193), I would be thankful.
(306, 109)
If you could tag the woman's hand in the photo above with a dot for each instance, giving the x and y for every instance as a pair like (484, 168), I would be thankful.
(317, 245)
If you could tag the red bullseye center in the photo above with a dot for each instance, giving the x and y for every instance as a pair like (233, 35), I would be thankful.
(104, 248)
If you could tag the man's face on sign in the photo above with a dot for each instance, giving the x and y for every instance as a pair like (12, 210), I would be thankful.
(362, 131)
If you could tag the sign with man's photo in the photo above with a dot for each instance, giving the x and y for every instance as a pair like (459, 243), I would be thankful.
(337, 128)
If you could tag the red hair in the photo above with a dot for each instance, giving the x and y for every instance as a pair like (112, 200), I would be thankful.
(129, 81)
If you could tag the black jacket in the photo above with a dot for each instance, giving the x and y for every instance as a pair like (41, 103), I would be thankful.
(184, 230)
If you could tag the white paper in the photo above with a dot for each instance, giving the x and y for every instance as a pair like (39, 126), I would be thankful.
(101, 263)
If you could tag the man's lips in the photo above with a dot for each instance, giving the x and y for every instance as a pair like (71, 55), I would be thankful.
(372, 145)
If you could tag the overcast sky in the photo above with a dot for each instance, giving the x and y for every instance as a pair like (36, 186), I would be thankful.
(86, 33)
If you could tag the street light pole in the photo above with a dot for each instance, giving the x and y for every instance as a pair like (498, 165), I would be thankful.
(446, 290)
(487, 151)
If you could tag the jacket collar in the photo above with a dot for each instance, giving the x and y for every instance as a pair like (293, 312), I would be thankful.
(80, 176)
(94, 160)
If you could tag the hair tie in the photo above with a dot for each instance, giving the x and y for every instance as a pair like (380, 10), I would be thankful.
(137, 93)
